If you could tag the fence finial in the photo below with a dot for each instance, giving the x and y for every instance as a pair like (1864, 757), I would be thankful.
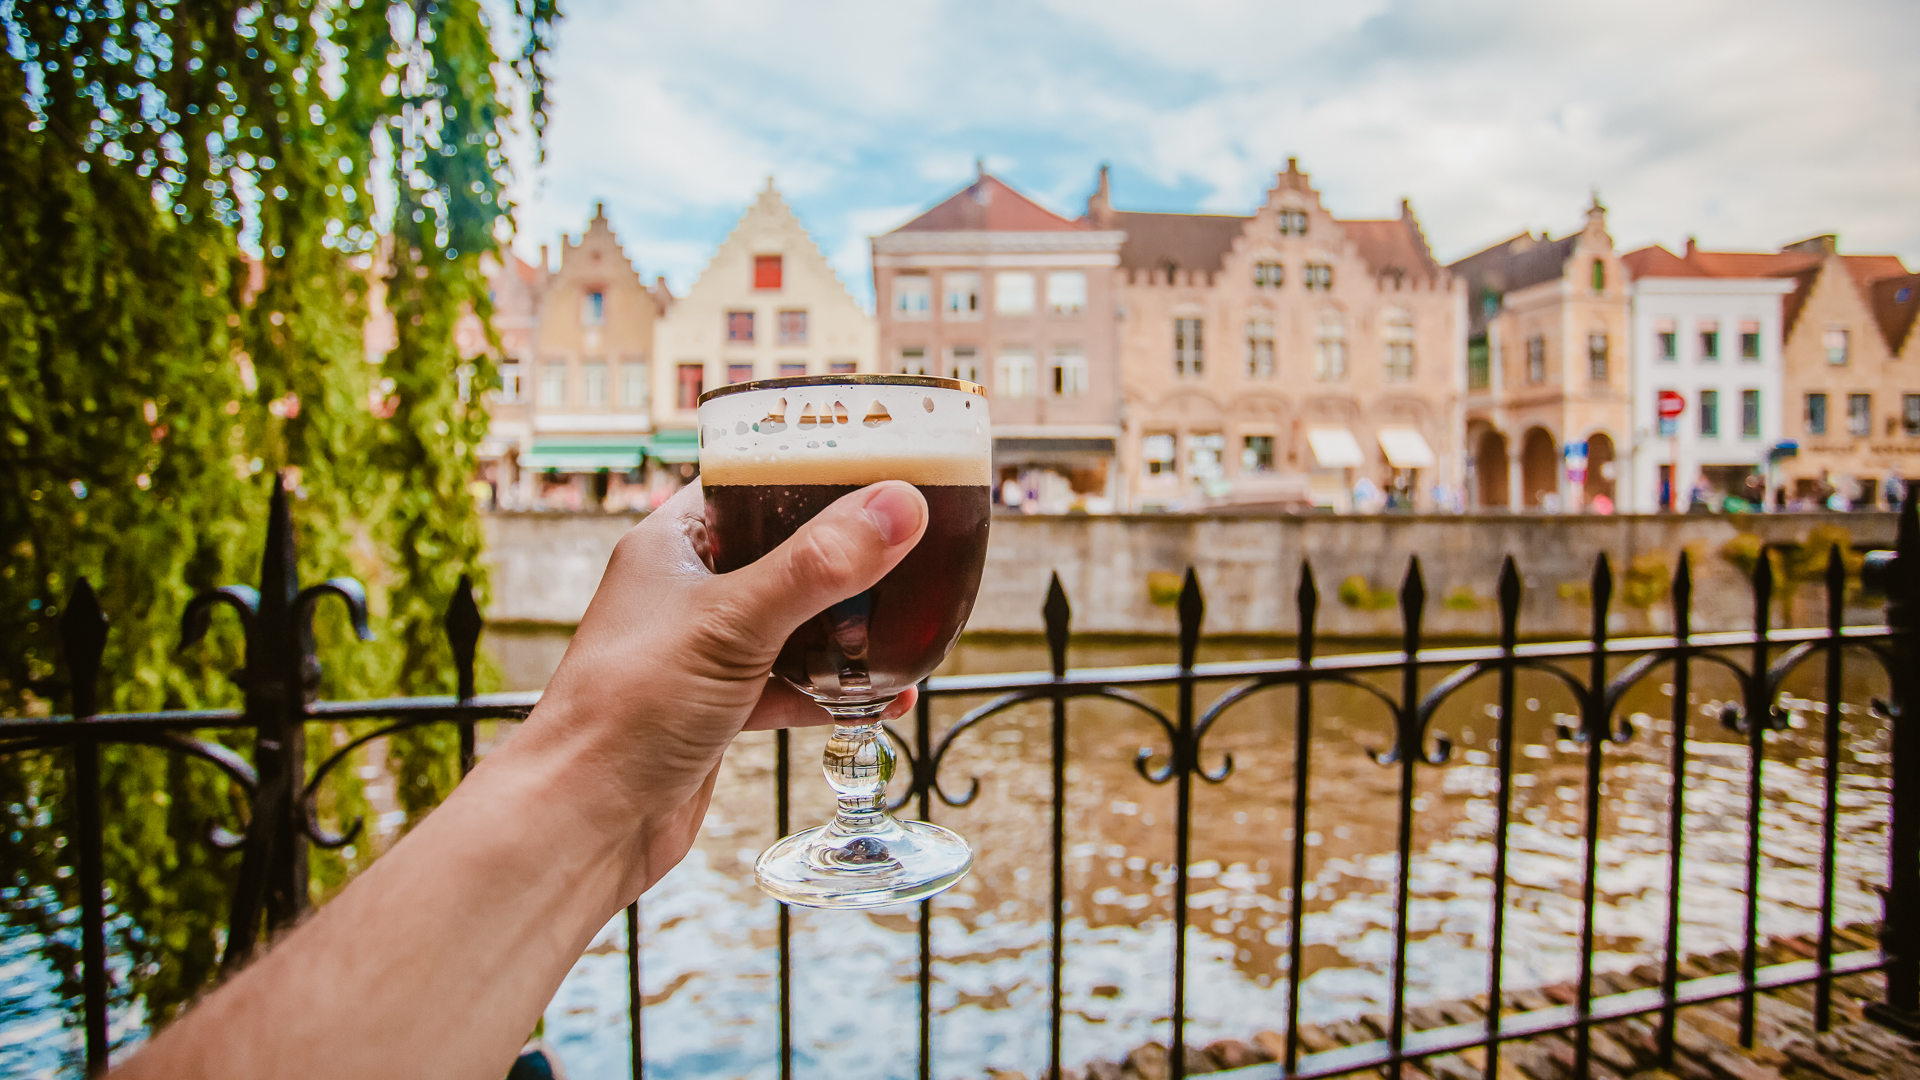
(1058, 615)
(1193, 609)
(83, 638)
(463, 624)
(1306, 600)
(1509, 602)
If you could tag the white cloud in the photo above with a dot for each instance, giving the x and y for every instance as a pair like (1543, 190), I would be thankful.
(1749, 123)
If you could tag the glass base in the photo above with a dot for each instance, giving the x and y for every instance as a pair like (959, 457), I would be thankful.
(894, 862)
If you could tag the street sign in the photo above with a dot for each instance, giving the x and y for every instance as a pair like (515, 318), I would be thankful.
(1671, 404)
(1784, 449)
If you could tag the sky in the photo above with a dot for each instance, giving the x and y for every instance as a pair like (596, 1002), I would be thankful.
(1745, 123)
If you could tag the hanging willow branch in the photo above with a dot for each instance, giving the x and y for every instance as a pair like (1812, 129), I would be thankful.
(235, 239)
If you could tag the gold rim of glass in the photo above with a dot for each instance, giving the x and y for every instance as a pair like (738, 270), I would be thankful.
(934, 381)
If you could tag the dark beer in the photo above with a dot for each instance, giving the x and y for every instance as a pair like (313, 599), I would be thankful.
(872, 646)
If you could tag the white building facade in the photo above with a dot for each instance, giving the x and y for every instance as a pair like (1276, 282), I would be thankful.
(1715, 341)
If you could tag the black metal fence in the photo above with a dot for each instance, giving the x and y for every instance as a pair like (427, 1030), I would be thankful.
(281, 677)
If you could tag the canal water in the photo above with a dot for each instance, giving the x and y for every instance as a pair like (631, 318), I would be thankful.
(709, 960)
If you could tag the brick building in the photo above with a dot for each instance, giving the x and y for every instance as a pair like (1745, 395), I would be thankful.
(1284, 357)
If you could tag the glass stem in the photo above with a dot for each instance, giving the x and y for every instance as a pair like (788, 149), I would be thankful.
(859, 763)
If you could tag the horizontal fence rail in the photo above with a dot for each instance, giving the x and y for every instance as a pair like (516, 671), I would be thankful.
(281, 672)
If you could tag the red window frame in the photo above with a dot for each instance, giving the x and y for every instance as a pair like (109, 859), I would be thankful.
(740, 326)
(766, 271)
(693, 378)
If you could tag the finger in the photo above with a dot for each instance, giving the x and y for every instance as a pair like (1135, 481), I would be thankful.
(843, 551)
(781, 706)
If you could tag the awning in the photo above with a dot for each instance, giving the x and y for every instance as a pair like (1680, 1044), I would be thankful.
(1335, 448)
(1405, 448)
(582, 455)
(675, 446)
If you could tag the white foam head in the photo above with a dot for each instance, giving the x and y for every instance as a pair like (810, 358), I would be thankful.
(847, 434)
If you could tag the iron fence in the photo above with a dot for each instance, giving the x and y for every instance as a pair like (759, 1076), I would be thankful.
(281, 676)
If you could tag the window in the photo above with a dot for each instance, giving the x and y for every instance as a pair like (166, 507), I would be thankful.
(1399, 345)
(1836, 342)
(1156, 455)
(1667, 336)
(1318, 276)
(963, 295)
(1268, 275)
(1860, 415)
(1204, 454)
(964, 363)
(792, 369)
(1292, 222)
(1479, 364)
(593, 308)
(1330, 348)
(509, 383)
(1259, 349)
(1067, 292)
(1910, 415)
(1189, 353)
(1750, 339)
(1599, 275)
(793, 328)
(1013, 292)
(593, 383)
(1709, 339)
(739, 326)
(841, 367)
(692, 384)
(1013, 373)
(1256, 453)
(1816, 414)
(1069, 371)
(766, 271)
(1597, 357)
(1537, 359)
(913, 360)
(739, 373)
(912, 296)
(553, 383)
(1749, 414)
(636, 384)
(1709, 414)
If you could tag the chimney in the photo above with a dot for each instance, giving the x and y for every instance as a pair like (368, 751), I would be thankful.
(545, 266)
(1691, 247)
(1100, 203)
(979, 168)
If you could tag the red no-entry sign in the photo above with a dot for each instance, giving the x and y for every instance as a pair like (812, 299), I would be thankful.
(1671, 404)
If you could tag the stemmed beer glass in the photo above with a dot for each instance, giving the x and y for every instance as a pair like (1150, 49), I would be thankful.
(772, 455)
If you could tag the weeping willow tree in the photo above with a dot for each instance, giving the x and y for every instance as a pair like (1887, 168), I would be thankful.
(208, 211)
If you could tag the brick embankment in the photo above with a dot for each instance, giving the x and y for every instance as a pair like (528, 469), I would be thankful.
(1707, 1047)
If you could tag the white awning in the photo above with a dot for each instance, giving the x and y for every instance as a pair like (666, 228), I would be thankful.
(1335, 448)
(1405, 448)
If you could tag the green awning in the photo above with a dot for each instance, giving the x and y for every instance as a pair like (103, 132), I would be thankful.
(675, 446)
(582, 455)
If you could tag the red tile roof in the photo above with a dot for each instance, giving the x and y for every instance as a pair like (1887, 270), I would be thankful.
(990, 205)
(1393, 244)
(1801, 262)
(1895, 302)
(1657, 261)
(1182, 241)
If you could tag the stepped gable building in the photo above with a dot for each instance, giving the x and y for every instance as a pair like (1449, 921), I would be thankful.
(1547, 332)
(768, 305)
(1712, 336)
(991, 287)
(572, 422)
(1285, 357)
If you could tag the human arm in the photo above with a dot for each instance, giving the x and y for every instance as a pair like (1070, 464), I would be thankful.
(436, 961)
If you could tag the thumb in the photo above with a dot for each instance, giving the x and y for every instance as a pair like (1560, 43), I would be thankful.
(842, 552)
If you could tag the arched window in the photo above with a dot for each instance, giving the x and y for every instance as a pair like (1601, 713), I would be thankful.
(1330, 347)
(1398, 336)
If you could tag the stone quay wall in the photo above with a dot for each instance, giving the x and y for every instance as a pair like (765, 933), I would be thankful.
(1122, 572)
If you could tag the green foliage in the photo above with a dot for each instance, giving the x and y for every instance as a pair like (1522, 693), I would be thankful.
(192, 252)
(1163, 587)
(1647, 581)
(1462, 598)
(1357, 592)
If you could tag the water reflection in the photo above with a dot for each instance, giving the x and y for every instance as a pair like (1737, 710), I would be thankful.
(710, 973)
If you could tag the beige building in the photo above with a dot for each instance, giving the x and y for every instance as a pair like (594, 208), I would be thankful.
(1547, 365)
(1285, 357)
(1852, 386)
(991, 287)
(767, 306)
(572, 422)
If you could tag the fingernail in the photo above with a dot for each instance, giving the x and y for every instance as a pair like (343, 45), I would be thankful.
(896, 511)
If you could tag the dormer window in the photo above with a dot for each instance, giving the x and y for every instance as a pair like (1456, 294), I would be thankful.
(1268, 275)
(1292, 222)
(766, 271)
